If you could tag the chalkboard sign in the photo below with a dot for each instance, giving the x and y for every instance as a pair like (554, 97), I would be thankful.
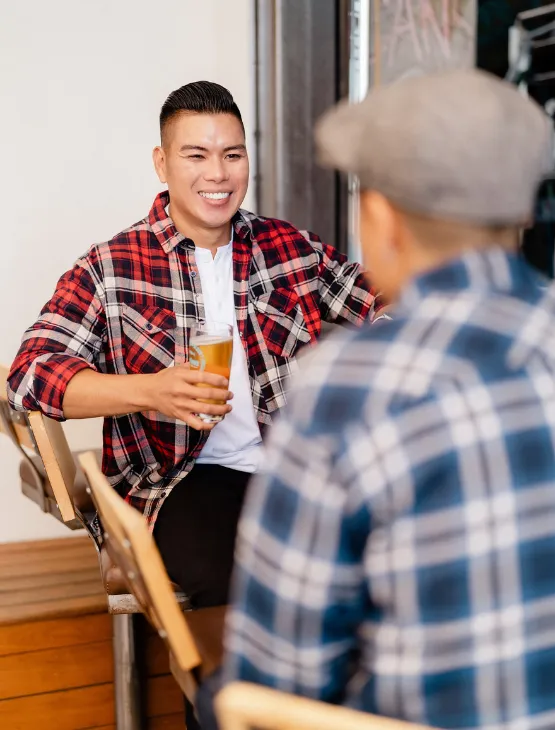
(392, 39)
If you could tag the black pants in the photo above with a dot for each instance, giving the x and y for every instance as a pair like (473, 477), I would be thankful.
(195, 533)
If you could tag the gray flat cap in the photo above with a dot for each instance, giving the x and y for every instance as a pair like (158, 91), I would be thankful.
(459, 145)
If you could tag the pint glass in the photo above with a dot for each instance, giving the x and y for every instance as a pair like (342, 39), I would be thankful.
(210, 350)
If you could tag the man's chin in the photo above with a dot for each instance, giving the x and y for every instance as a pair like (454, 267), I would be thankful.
(218, 218)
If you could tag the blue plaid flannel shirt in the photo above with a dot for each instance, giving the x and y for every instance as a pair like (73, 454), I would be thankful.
(399, 554)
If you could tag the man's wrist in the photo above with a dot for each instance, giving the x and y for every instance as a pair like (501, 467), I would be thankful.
(140, 393)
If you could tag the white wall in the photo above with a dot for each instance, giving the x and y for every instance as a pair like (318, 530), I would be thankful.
(81, 85)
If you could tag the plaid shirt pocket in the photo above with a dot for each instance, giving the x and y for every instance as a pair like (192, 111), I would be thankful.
(148, 338)
(281, 321)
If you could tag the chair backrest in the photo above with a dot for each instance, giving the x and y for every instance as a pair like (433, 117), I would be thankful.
(32, 431)
(244, 706)
(134, 550)
(57, 459)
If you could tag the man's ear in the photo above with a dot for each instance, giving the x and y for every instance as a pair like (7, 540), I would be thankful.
(378, 224)
(159, 159)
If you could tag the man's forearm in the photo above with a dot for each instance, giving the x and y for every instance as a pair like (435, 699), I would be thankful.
(90, 394)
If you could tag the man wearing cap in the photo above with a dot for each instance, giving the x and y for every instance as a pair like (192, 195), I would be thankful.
(399, 555)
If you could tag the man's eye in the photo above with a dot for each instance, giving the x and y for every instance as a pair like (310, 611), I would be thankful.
(196, 157)
(234, 156)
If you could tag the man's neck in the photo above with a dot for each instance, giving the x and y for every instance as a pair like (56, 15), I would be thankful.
(210, 238)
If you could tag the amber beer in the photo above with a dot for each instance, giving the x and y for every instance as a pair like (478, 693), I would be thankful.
(210, 349)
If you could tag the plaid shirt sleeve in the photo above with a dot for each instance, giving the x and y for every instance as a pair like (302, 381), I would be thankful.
(66, 338)
(299, 589)
(345, 296)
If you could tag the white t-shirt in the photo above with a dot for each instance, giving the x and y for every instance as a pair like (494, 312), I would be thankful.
(235, 442)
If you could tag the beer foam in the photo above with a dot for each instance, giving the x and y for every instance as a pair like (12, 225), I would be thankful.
(208, 339)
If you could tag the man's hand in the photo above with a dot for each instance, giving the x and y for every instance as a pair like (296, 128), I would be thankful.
(175, 392)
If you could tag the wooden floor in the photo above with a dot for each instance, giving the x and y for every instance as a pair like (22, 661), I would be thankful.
(56, 644)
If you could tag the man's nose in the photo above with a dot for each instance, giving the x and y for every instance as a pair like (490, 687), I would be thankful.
(216, 171)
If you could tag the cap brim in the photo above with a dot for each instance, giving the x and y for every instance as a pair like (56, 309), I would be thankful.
(337, 134)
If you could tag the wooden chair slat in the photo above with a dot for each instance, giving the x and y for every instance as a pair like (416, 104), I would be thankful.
(135, 551)
(244, 706)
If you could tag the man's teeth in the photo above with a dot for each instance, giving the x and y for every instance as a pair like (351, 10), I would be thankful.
(215, 196)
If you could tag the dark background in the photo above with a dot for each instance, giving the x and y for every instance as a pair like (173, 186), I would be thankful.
(495, 17)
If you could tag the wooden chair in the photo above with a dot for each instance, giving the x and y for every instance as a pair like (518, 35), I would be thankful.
(194, 638)
(47, 464)
(244, 706)
(52, 478)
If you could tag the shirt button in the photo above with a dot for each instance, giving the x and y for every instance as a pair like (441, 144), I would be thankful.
(193, 274)
(149, 326)
(163, 495)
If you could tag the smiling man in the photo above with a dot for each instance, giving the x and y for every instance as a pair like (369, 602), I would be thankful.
(113, 339)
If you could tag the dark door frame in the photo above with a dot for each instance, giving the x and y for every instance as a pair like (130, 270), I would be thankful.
(301, 57)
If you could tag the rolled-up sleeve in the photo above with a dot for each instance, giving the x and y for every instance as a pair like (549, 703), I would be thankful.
(66, 338)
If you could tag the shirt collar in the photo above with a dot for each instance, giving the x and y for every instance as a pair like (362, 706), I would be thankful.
(205, 254)
(491, 270)
(169, 237)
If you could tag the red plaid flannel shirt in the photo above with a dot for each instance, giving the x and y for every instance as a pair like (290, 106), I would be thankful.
(126, 307)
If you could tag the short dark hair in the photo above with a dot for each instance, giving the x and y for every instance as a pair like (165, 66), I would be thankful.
(198, 97)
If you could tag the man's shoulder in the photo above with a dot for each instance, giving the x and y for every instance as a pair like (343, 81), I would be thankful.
(269, 231)
(131, 241)
(364, 346)
(348, 369)
(419, 354)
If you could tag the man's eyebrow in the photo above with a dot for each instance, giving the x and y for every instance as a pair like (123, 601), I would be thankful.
(188, 147)
(185, 147)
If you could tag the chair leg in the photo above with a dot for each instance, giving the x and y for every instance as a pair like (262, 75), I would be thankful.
(126, 681)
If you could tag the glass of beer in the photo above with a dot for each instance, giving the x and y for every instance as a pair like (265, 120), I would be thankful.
(210, 350)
